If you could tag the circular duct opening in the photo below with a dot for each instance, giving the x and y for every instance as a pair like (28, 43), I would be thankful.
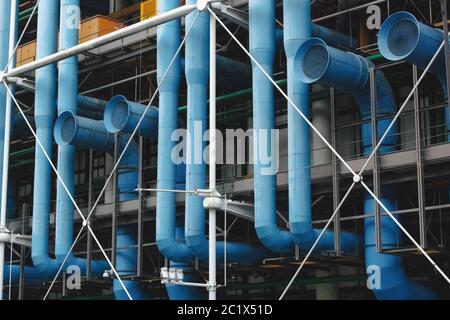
(312, 60)
(398, 37)
(65, 128)
(116, 114)
(402, 37)
(315, 62)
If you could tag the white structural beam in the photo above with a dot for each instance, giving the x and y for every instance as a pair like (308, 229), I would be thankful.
(7, 138)
(92, 44)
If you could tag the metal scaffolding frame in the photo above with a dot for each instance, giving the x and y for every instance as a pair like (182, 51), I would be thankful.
(335, 172)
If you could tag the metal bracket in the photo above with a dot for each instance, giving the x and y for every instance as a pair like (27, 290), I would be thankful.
(239, 209)
(22, 83)
(19, 239)
(235, 15)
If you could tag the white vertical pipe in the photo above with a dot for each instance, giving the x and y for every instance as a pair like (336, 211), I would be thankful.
(212, 159)
(4, 199)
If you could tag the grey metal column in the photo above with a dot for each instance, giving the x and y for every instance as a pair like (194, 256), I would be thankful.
(89, 235)
(22, 253)
(335, 175)
(420, 168)
(376, 182)
(140, 218)
(447, 46)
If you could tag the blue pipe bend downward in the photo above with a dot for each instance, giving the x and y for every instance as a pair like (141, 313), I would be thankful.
(316, 62)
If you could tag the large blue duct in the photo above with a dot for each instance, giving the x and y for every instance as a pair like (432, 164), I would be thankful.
(297, 29)
(91, 134)
(126, 264)
(262, 47)
(122, 115)
(168, 39)
(403, 37)
(197, 77)
(345, 71)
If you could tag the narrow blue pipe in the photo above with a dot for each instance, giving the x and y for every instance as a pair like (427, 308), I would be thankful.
(403, 37)
(67, 101)
(345, 71)
(168, 39)
(126, 265)
(262, 48)
(197, 77)
(122, 115)
(45, 109)
(297, 29)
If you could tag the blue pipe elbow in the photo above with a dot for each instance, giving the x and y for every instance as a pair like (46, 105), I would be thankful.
(126, 265)
(393, 281)
(348, 72)
(262, 47)
(403, 37)
(345, 71)
(122, 115)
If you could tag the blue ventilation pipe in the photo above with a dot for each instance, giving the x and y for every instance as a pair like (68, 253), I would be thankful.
(126, 264)
(168, 39)
(45, 109)
(403, 37)
(262, 48)
(67, 101)
(122, 115)
(345, 71)
(297, 29)
(86, 133)
(197, 77)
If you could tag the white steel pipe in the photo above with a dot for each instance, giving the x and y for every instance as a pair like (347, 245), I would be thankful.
(95, 43)
(7, 138)
(212, 288)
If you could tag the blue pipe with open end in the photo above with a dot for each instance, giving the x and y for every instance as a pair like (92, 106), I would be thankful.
(91, 134)
(346, 71)
(45, 109)
(122, 115)
(403, 37)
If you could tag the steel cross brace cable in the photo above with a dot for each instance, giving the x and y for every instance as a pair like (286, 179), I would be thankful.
(122, 154)
(85, 223)
(356, 177)
(21, 36)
